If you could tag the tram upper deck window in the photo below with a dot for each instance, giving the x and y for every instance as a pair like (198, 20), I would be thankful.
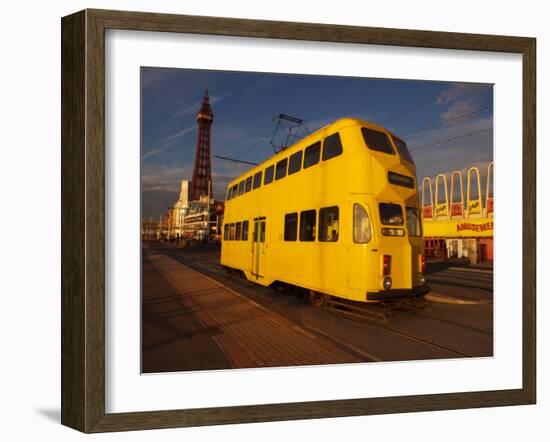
(414, 225)
(402, 149)
(332, 146)
(228, 194)
(376, 140)
(268, 176)
(295, 163)
(307, 225)
(241, 187)
(280, 171)
(234, 191)
(248, 184)
(291, 226)
(391, 214)
(312, 155)
(257, 180)
(328, 224)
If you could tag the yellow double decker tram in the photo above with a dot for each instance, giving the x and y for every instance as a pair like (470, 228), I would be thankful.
(336, 213)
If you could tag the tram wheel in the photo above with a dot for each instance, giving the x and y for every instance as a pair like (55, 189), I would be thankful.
(318, 299)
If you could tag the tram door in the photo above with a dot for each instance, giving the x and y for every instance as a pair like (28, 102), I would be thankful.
(258, 247)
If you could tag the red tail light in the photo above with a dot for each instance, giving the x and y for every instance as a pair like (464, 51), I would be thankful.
(387, 265)
(423, 261)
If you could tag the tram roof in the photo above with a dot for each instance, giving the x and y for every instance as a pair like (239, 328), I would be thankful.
(309, 139)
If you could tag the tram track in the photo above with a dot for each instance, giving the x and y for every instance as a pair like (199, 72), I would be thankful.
(446, 321)
(417, 339)
(210, 265)
(470, 278)
(414, 310)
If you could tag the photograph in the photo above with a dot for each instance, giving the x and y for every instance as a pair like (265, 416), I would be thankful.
(301, 220)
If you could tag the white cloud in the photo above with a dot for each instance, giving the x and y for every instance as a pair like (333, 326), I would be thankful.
(169, 141)
(459, 109)
(458, 90)
(165, 178)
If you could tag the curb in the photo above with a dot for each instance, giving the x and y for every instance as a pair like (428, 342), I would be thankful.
(472, 269)
(444, 299)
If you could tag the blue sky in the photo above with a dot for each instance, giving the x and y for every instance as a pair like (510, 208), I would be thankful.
(424, 113)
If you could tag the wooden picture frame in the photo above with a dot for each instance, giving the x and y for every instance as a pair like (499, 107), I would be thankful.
(83, 220)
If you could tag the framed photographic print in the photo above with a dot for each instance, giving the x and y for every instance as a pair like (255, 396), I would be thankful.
(268, 221)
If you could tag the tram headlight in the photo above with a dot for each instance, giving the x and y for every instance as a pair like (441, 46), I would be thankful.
(422, 279)
(387, 283)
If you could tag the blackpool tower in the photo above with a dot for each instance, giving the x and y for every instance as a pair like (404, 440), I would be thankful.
(202, 175)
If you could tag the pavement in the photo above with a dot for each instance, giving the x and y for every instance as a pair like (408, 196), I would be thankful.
(216, 327)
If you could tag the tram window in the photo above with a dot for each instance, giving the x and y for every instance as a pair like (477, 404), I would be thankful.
(362, 232)
(268, 176)
(376, 140)
(231, 231)
(280, 171)
(295, 163)
(245, 231)
(228, 194)
(234, 193)
(402, 149)
(241, 187)
(238, 231)
(391, 214)
(414, 225)
(328, 224)
(262, 231)
(312, 155)
(226, 232)
(248, 184)
(307, 225)
(332, 146)
(257, 180)
(291, 226)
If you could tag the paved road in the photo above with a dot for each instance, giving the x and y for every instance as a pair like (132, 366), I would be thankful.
(174, 340)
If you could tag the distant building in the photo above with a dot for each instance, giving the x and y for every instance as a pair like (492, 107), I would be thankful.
(191, 219)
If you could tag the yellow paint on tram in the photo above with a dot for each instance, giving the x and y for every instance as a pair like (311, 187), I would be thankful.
(336, 213)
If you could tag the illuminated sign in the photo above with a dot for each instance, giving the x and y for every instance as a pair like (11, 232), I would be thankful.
(194, 219)
(473, 207)
(441, 209)
(401, 180)
(456, 209)
(474, 227)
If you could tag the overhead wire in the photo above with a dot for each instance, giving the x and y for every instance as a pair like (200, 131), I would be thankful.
(322, 97)
(449, 140)
(448, 121)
